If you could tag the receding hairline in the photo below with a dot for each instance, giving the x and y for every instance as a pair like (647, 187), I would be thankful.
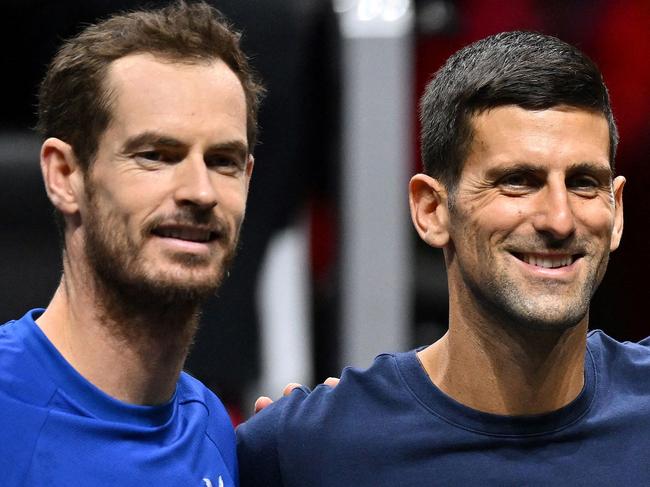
(169, 60)
(111, 86)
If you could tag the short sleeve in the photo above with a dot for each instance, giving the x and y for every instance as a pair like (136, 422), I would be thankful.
(257, 451)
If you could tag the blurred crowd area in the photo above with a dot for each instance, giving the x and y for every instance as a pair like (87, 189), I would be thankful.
(296, 46)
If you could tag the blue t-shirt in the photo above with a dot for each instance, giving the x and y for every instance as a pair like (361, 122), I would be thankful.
(390, 426)
(57, 429)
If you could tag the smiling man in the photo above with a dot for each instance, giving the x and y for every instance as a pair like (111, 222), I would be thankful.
(518, 143)
(149, 120)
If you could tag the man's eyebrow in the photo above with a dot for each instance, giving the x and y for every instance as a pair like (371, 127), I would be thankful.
(236, 146)
(598, 170)
(515, 167)
(152, 139)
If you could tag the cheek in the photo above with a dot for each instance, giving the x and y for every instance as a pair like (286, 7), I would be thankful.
(597, 220)
(129, 209)
(495, 212)
(478, 234)
(232, 198)
(491, 224)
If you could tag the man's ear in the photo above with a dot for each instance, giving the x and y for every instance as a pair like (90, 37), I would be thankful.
(62, 175)
(250, 164)
(429, 212)
(617, 231)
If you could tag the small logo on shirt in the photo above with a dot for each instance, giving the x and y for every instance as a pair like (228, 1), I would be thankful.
(208, 482)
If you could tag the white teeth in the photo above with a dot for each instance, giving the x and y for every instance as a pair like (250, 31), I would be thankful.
(548, 262)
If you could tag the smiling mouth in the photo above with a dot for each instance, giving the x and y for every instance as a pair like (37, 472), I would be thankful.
(187, 233)
(548, 261)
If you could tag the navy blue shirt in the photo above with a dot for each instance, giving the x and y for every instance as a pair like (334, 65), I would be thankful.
(390, 425)
(57, 429)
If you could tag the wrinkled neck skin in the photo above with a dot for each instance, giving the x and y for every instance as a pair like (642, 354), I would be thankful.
(506, 369)
(132, 354)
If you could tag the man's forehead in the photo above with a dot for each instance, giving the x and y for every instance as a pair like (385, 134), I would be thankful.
(512, 134)
(150, 94)
(140, 78)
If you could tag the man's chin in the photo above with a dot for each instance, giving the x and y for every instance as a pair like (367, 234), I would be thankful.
(552, 318)
(555, 310)
(180, 288)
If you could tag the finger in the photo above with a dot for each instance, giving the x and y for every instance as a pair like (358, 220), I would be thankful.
(290, 387)
(332, 381)
(262, 402)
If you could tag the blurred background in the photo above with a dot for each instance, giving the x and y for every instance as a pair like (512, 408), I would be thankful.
(329, 272)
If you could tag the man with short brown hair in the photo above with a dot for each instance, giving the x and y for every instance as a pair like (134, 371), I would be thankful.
(149, 122)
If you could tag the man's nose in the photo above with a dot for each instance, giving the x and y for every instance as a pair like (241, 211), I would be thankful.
(554, 214)
(194, 183)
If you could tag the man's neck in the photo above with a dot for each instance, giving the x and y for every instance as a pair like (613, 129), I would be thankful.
(132, 361)
(506, 370)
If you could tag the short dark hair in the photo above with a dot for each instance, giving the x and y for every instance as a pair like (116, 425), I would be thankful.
(74, 103)
(531, 70)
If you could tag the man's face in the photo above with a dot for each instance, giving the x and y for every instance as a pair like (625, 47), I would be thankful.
(166, 195)
(535, 215)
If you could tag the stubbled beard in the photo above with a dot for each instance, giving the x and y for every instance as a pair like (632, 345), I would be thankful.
(154, 298)
(502, 299)
(503, 296)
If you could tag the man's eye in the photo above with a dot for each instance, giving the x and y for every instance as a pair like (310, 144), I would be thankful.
(223, 163)
(517, 180)
(156, 156)
(583, 182)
